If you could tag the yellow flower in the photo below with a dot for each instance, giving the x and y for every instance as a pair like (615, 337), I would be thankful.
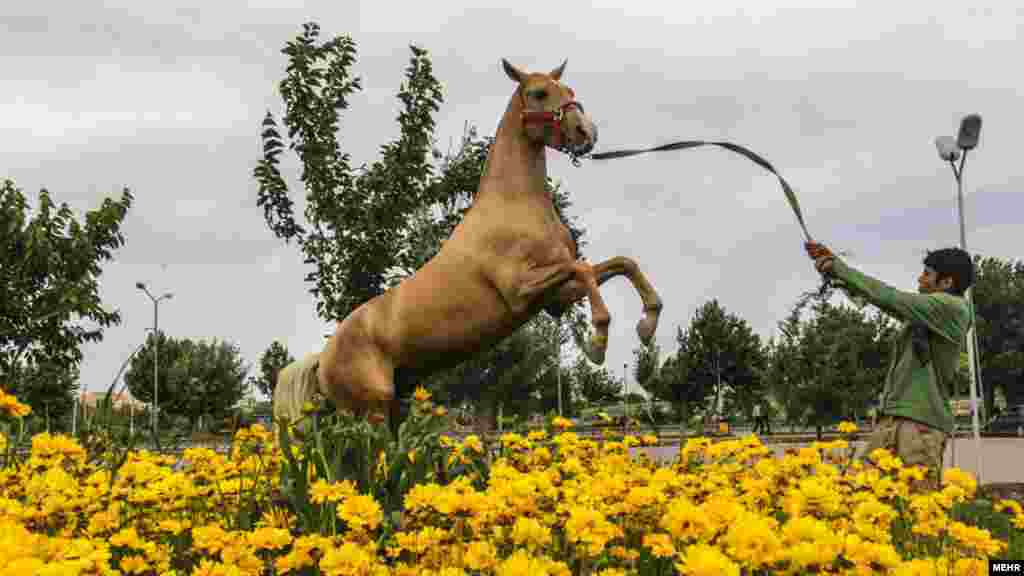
(660, 545)
(685, 521)
(961, 479)
(1011, 506)
(422, 540)
(808, 541)
(473, 443)
(127, 538)
(866, 555)
(269, 538)
(480, 556)
(361, 512)
(349, 559)
(705, 560)
(530, 533)
(753, 540)
(562, 423)
(421, 394)
(536, 435)
(976, 538)
(589, 528)
(12, 406)
(847, 427)
(970, 567)
(321, 491)
(171, 526)
(521, 563)
(872, 520)
(134, 564)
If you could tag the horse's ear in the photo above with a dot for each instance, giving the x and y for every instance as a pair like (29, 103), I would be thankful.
(514, 73)
(556, 74)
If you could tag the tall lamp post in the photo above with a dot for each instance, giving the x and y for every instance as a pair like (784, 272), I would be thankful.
(625, 397)
(558, 362)
(156, 346)
(950, 150)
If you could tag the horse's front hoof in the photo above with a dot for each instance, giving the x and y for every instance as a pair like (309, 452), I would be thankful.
(646, 327)
(598, 346)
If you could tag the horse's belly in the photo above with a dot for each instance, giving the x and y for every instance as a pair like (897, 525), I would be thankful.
(442, 326)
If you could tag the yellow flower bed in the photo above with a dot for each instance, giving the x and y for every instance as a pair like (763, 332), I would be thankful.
(556, 504)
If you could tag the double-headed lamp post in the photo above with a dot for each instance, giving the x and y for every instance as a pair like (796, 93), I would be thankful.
(951, 150)
(156, 345)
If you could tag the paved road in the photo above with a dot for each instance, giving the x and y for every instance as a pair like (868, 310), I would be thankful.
(1002, 458)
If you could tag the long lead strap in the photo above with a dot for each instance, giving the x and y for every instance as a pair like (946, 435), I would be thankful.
(684, 144)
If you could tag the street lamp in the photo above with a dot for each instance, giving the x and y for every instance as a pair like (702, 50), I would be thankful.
(625, 397)
(558, 362)
(156, 346)
(951, 150)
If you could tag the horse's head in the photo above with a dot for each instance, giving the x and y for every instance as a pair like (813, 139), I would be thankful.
(551, 114)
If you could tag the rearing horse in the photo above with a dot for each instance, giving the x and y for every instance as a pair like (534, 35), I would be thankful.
(508, 259)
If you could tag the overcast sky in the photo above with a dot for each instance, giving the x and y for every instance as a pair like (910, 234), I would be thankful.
(844, 99)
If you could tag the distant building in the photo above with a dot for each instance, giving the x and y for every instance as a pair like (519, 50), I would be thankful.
(121, 402)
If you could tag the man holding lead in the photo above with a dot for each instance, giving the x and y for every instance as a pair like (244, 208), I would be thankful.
(914, 418)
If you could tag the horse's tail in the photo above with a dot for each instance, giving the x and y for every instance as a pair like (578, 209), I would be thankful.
(297, 383)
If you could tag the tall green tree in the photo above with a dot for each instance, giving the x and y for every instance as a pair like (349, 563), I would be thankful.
(358, 217)
(674, 385)
(139, 375)
(724, 356)
(780, 372)
(196, 378)
(213, 380)
(999, 307)
(50, 264)
(50, 389)
(271, 362)
(646, 365)
(832, 364)
(594, 385)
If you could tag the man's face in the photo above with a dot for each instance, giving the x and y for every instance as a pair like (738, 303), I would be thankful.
(928, 282)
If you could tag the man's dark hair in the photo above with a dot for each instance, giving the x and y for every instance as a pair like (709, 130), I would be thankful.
(952, 263)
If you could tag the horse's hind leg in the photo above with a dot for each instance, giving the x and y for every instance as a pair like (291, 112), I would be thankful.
(363, 387)
(354, 373)
(622, 266)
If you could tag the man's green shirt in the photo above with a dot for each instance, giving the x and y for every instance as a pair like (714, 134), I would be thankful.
(916, 387)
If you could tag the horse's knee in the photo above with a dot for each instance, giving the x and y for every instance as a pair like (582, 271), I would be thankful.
(628, 265)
